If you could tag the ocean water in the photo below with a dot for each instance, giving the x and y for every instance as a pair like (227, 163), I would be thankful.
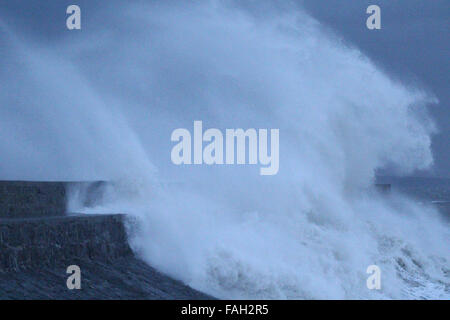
(423, 190)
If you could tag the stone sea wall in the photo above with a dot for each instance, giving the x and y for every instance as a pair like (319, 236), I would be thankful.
(43, 242)
(39, 240)
(32, 199)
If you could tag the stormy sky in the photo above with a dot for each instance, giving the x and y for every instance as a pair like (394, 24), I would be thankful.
(412, 45)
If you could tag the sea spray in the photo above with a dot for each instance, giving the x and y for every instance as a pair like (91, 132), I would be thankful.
(310, 231)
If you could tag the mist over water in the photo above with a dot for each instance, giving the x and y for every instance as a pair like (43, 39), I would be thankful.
(103, 106)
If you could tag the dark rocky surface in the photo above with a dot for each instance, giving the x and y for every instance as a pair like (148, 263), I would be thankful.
(38, 242)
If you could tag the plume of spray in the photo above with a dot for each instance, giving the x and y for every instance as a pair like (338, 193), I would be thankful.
(103, 107)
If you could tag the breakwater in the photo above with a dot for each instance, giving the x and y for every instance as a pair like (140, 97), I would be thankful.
(39, 240)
